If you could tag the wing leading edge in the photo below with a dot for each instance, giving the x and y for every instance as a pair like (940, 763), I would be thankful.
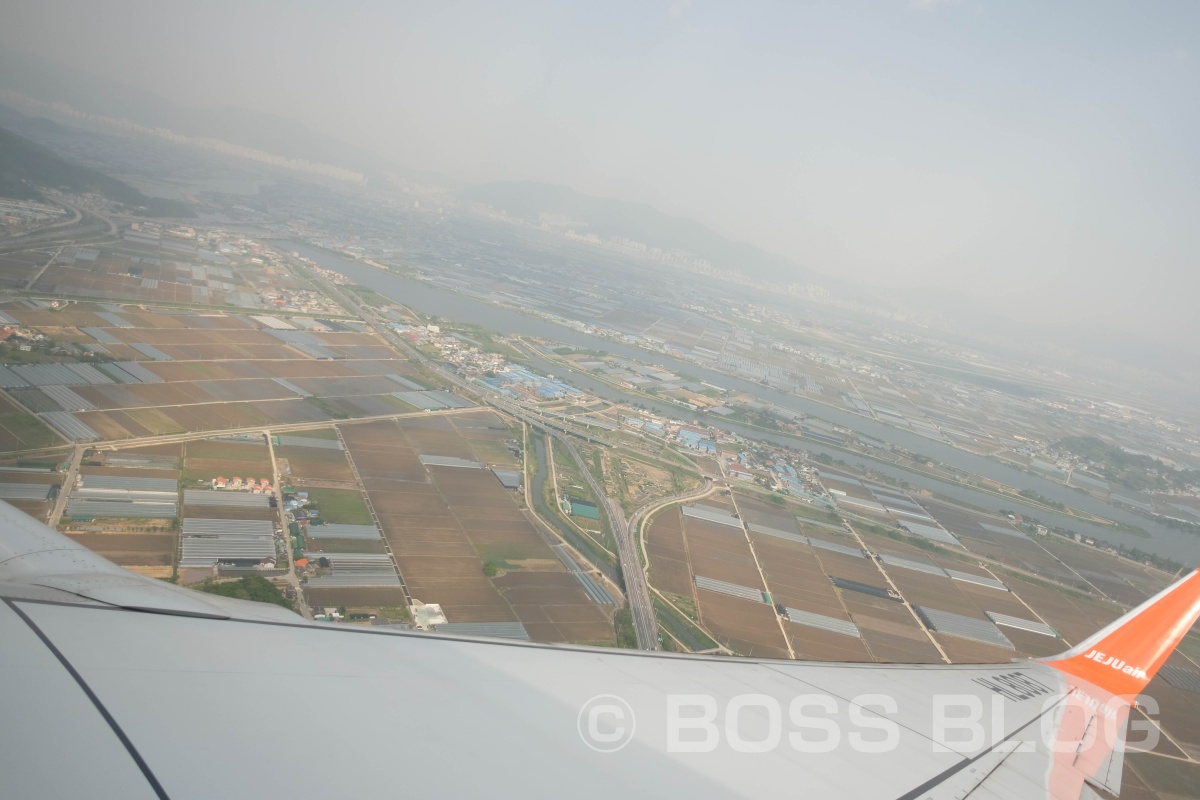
(229, 702)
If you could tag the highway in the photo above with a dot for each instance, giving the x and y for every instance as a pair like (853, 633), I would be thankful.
(68, 485)
(637, 589)
(85, 226)
(637, 538)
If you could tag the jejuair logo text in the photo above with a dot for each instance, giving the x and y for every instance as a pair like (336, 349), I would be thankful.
(1116, 663)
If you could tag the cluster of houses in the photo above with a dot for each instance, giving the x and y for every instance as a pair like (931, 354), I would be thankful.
(287, 298)
(249, 484)
(294, 502)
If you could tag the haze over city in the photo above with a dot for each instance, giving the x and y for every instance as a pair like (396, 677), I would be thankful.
(477, 389)
(1034, 162)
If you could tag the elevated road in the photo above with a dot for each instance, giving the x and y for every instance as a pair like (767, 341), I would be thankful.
(68, 485)
(638, 520)
(84, 226)
(636, 535)
(637, 589)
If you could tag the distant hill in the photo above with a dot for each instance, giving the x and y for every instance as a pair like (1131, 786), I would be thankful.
(26, 167)
(44, 79)
(528, 200)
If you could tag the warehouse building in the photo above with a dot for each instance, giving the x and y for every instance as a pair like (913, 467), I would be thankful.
(580, 508)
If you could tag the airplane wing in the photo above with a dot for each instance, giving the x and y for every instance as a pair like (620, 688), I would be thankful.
(117, 686)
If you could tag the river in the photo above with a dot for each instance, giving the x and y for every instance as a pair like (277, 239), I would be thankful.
(428, 299)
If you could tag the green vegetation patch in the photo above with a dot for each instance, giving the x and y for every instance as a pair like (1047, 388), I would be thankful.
(1162, 562)
(326, 408)
(1042, 583)
(513, 551)
(815, 512)
(154, 421)
(491, 451)
(682, 628)
(395, 613)
(226, 451)
(30, 430)
(1131, 470)
(1038, 497)
(398, 404)
(252, 587)
(315, 544)
(623, 629)
(487, 343)
(685, 604)
(345, 506)
(202, 369)
(318, 433)
(368, 296)
(311, 457)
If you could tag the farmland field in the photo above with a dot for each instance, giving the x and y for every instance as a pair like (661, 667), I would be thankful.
(721, 552)
(213, 372)
(17, 268)
(205, 460)
(311, 463)
(444, 524)
(20, 430)
(149, 549)
(340, 505)
(669, 569)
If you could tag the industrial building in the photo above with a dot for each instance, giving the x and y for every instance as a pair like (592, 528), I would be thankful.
(580, 508)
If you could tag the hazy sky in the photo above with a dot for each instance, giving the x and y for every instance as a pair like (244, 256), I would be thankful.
(1042, 155)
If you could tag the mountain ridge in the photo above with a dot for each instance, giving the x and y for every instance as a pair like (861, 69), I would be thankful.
(26, 167)
(43, 79)
(640, 222)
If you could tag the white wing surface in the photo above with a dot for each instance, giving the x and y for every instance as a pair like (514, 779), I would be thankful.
(117, 686)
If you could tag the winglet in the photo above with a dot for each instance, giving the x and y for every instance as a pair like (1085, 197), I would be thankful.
(1123, 657)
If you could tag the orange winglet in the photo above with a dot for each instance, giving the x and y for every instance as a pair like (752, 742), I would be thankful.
(1123, 657)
